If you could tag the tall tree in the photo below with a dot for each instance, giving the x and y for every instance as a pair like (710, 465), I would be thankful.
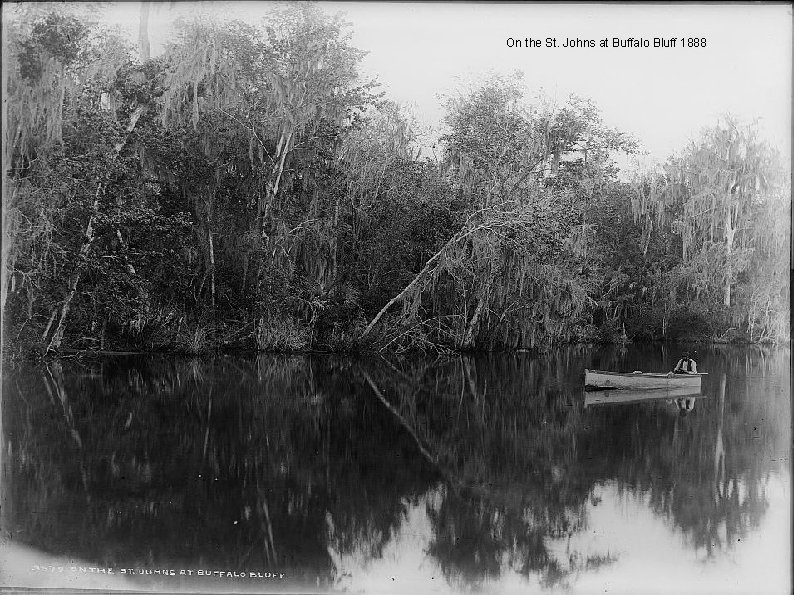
(718, 180)
(715, 198)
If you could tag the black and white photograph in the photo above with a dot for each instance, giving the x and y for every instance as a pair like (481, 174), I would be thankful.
(396, 298)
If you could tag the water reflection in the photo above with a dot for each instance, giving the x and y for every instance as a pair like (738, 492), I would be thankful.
(683, 398)
(479, 473)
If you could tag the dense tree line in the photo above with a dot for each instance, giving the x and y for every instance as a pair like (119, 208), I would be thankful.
(247, 189)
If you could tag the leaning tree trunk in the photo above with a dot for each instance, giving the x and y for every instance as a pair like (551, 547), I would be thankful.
(474, 324)
(211, 248)
(7, 151)
(429, 266)
(265, 204)
(88, 241)
(730, 231)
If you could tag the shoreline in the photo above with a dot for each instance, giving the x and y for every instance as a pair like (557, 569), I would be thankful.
(69, 353)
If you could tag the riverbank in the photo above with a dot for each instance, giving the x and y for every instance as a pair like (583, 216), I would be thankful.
(18, 354)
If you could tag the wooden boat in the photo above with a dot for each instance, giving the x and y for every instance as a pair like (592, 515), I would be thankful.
(625, 396)
(641, 380)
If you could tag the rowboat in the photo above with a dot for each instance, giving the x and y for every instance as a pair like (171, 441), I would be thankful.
(641, 380)
(625, 396)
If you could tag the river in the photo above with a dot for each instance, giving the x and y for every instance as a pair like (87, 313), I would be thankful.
(483, 474)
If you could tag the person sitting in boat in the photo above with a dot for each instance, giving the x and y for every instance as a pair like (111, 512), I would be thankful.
(686, 365)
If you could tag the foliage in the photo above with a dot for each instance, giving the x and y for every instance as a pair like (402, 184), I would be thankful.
(250, 182)
(715, 198)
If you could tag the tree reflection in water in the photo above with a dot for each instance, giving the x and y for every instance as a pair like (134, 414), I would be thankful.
(278, 462)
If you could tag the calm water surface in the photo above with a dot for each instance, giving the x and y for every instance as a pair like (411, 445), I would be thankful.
(487, 474)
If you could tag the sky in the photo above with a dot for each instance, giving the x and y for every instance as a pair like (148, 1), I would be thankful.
(662, 96)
